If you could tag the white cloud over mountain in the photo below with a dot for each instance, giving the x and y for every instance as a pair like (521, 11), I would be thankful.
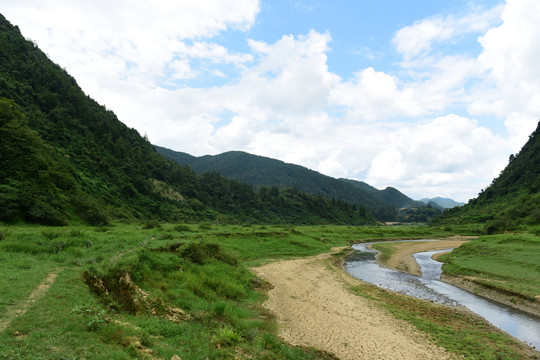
(413, 128)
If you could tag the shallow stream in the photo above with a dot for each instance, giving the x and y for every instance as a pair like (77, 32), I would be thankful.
(363, 265)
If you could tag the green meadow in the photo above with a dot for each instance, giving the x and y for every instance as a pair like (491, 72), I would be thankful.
(159, 290)
(509, 263)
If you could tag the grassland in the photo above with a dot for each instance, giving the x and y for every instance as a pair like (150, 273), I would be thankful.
(503, 264)
(155, 291)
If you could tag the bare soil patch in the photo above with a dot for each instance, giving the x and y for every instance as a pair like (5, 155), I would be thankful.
(315, 308)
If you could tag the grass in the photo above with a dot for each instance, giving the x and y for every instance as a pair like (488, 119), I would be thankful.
(459, 332)
(386, 251)
(507, 262)
(201, 269)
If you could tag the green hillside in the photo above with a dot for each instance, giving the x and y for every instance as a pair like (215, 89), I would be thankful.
(512, 199)
(64, 157)
(262, 171)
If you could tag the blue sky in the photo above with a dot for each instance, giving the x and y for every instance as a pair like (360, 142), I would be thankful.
(430, 97)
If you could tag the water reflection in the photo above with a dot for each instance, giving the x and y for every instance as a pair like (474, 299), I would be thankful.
(363, 265)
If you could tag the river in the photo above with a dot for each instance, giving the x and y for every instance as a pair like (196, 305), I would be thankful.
(363, 265)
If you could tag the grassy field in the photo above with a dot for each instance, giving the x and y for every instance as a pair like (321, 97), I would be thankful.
(156, 290)
(509, 263)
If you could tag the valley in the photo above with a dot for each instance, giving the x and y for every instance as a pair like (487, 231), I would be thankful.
(114, 248)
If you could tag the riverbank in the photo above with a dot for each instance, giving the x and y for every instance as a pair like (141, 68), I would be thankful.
(399, 256)
(315, 307)
(472, 285)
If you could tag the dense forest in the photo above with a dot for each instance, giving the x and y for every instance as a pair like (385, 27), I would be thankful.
(261, 171)
(512, 199)
(64, 157)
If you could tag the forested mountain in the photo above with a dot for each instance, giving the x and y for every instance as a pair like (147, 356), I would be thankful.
(262, 171)
(512, 199)
(64, 157)
(389, 196)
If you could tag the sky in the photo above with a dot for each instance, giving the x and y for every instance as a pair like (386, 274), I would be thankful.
(429, 97)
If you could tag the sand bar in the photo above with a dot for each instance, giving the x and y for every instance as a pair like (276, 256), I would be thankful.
(314, 307)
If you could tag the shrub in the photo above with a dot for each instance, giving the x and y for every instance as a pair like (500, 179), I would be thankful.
(152, 224)
(226, 336)
(4, 232)
(182, 228)
(94, 317)
(200, 253)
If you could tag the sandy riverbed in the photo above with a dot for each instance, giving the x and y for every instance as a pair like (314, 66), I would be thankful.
(314, 308)
(403, 260)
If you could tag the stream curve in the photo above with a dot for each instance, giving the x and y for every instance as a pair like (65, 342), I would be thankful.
(363, 265)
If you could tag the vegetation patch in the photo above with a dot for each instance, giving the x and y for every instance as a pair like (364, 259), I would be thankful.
(459, 332)
(506, 263)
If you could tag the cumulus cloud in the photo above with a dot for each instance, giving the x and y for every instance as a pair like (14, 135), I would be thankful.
(374, 95)
(390, 128)
(419, 38)
(134, 40)
(446, 154)
(510, 59)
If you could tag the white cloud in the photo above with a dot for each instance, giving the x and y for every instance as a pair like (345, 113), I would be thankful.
(510, 59)
(449, 153)
(417, 39)
(374, 95)
(390, 128)
(236, 135)
(135, 40)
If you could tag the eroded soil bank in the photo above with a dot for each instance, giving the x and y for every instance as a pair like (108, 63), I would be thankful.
(315, 308)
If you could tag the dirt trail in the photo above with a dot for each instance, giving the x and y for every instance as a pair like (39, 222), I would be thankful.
(314, 308)
(19, 309)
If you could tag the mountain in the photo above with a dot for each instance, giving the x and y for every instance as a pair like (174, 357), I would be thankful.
(444, 203)
(262, 171)
(512, 199)
(65, 158)
(389, 196)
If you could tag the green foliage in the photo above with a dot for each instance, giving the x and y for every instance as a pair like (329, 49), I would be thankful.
(4, 232)
(94, 316)
(152, 224)
(508, 263)
(220, 295)
(271, 175)
(511, 201)
(182, 228)
(63, 157)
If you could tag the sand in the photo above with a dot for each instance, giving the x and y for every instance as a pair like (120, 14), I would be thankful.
(315, 308)
(403, 260)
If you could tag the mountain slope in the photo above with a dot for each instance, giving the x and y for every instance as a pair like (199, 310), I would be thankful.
(512, 199)
(64, 157)
(262, 171)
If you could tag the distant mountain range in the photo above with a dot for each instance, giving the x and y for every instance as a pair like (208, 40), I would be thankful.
(261, 171)
(444, 203)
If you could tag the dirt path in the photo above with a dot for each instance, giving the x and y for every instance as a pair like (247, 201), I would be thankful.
(403, 260)
(314, 308)
(19, 309)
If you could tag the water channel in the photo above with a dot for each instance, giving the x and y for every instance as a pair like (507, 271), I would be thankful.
(363, 265)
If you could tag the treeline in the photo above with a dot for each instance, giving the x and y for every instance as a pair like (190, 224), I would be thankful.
(260, 171)
(64, 157)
